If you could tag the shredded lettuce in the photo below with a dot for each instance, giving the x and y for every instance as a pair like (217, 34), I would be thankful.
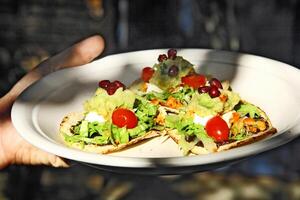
(120, 135)
(157, 95)
(184, 94)
(139, 130)
(104, 133)
(186, 127)
(144, 107)
(145, 112)
(238, 131)
(90, 130)
(84, 129)
(96, 128)
(248, 109)
(172, 121)
(232, 100)
(89, 133)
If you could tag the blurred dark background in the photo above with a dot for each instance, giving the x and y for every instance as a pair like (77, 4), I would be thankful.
(32, 30)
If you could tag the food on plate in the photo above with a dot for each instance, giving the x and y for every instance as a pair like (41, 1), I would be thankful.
(113, 118)
(199, 112)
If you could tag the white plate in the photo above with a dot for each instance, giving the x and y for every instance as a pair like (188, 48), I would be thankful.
(272, 85)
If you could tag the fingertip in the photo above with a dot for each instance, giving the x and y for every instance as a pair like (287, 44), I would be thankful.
(80, 53)
(97, 42)
(88, 49)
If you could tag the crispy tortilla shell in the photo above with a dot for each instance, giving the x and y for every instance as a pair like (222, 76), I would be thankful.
(249, 140)
(254, 138)
(73, 118)
(198, 150)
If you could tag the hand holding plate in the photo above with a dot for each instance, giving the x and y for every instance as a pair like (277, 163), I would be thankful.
(15, 150)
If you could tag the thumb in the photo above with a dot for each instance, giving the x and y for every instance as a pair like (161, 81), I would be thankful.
(80, 53)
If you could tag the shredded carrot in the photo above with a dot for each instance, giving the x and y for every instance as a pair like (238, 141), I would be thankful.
(223, 97)
(155, 101)
(235, 116)
(173, 103)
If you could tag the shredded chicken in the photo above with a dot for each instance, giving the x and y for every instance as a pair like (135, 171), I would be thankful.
(255, 125)
(160, 119)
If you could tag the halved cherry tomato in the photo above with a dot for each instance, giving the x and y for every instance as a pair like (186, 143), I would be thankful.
(147, 73)
(194, 80)
(217, 128)
(122, 117)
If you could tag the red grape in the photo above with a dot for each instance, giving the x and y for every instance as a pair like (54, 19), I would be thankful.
(173, 71)
(172, 53)
(104, 84)
(162, 57)
(216, 82)
(118, 84)
(203, 89)
(214, 92)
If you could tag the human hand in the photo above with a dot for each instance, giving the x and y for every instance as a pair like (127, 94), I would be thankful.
(13, 148)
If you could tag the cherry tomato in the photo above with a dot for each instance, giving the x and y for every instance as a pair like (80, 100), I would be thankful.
(123, 117)
(147, 73)
(217, 128)
(194, 80)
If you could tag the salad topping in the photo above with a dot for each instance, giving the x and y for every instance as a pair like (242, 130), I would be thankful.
(172, 53)
(111, 87)
(162, 57)
(147, 73)
(217, 128)
(194, 80)
(122, 117)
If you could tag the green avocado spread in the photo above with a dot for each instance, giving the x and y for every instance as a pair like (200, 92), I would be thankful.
(161, 77)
